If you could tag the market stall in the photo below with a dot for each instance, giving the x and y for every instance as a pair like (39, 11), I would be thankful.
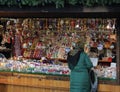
(37, 58)
(42, 44)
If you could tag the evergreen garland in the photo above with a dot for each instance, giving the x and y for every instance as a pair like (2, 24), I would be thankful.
(57, 3)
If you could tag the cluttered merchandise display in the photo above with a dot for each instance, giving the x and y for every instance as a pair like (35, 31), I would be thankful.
(41, 45)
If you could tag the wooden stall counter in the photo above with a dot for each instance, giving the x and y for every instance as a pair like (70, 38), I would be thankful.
(10, 82)
(33, 83)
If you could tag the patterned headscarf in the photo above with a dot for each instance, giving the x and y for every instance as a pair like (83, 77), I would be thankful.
(74, 55)
(79, 46)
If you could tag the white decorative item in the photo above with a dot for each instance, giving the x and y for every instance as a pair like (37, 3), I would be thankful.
(100, 47)
(94, 61)
(112, 46)
(112, 64)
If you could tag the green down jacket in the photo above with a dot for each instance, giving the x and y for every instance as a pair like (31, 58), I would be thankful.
(79, 77)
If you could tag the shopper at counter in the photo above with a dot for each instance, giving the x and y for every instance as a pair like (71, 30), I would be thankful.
(79, 64)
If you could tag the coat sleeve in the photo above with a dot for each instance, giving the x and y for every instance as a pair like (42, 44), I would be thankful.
(88, 62)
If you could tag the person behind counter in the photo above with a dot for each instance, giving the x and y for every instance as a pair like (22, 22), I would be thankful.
(79, 64)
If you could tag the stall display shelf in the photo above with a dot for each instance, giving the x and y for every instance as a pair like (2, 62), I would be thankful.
(53, 38)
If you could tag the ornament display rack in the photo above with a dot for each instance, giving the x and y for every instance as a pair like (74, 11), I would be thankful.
(46, 36)
(52, 38)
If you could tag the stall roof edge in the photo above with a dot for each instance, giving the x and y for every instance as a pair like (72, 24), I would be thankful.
(51, 11)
